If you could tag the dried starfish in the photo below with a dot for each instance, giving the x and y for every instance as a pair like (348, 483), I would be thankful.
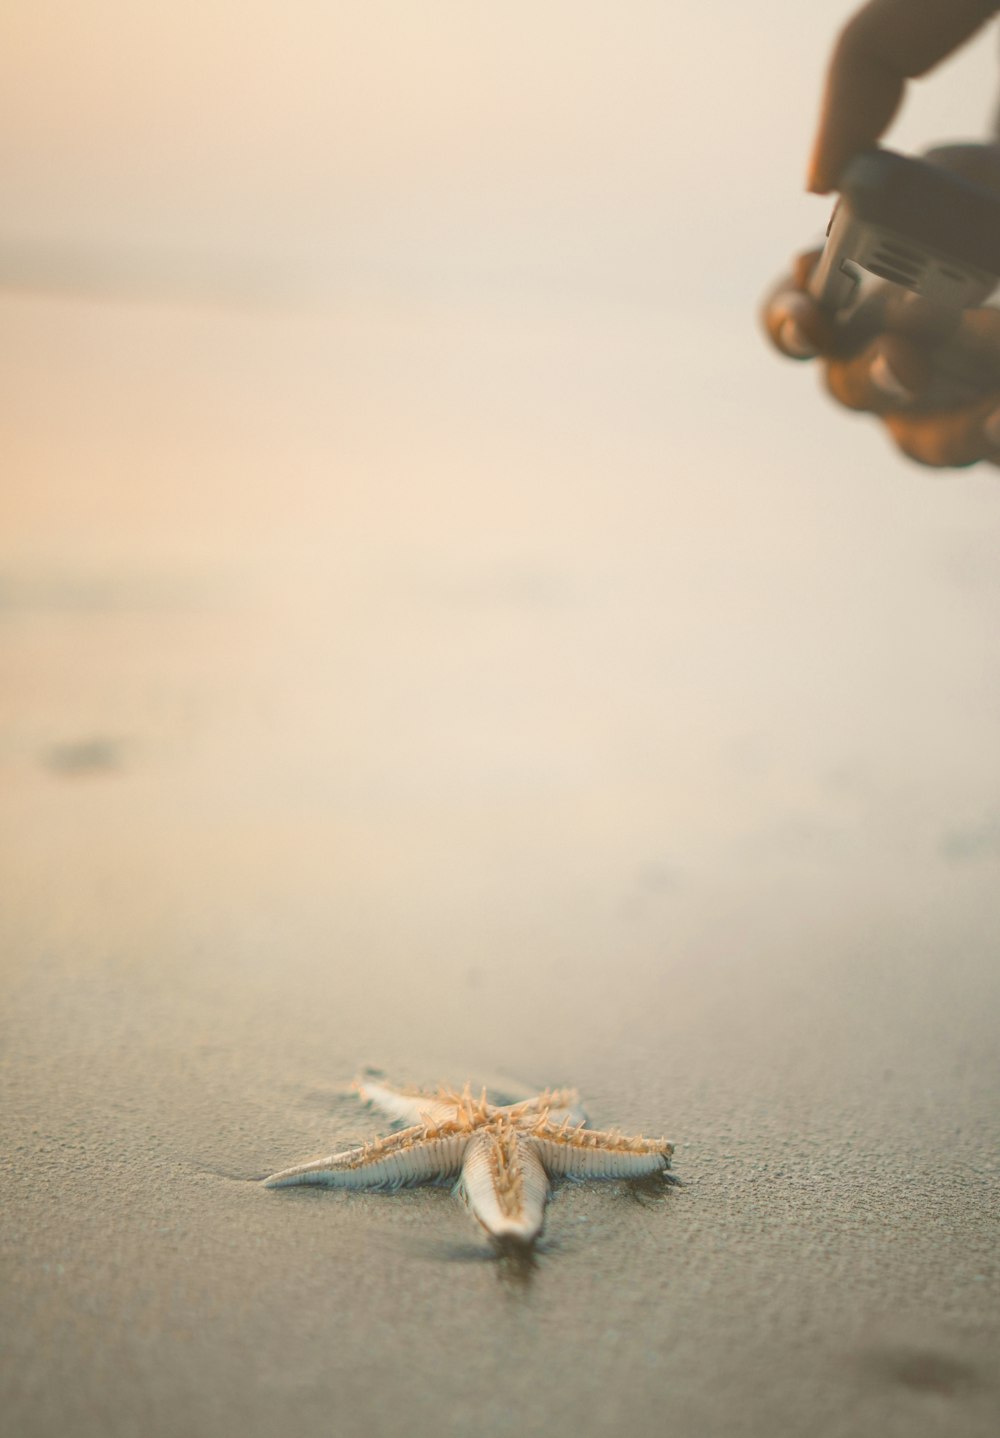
(503, 1156)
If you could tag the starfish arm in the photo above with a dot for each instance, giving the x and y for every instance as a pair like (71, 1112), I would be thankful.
(415, 1155)
(411, 1106)
(575, 1115)
(588, 1153)
(504, 1184)
(558, 1105)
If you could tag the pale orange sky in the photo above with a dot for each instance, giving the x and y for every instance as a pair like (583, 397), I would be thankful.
(522, 248)
(571, 137)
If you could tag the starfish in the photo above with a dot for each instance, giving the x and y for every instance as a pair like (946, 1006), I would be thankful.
(502, 1156)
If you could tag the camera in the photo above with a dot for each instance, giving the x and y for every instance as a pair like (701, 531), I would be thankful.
(911, 223)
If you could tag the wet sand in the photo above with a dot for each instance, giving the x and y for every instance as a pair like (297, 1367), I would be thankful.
(350, 717)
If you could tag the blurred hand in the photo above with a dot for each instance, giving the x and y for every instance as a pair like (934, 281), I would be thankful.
(933, 377)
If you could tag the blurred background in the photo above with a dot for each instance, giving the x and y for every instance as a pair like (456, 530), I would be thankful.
(436, 630)
(393, 468)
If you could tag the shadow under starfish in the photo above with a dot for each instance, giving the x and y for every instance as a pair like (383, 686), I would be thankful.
(502, 1157)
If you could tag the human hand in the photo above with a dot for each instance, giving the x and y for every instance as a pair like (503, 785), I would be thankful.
(932, 376)
(881, 47)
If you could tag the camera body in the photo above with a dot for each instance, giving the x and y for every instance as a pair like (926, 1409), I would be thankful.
(913, 224)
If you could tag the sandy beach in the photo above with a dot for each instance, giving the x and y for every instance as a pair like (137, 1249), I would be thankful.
(500, 672)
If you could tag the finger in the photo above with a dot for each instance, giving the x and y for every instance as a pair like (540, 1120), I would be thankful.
(805, 264)
(982, 327)
(923, 368)
(890, 374)
(794, 323)
(966, 366)
(953, 440)
(924, 321)
(991, 431)
(802, 329)
(889, 309)
(885, 44)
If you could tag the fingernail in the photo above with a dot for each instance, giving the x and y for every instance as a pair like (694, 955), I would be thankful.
(991, 428)
(885, 378)
(784, 317)
(794, 341)
(817, 182)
